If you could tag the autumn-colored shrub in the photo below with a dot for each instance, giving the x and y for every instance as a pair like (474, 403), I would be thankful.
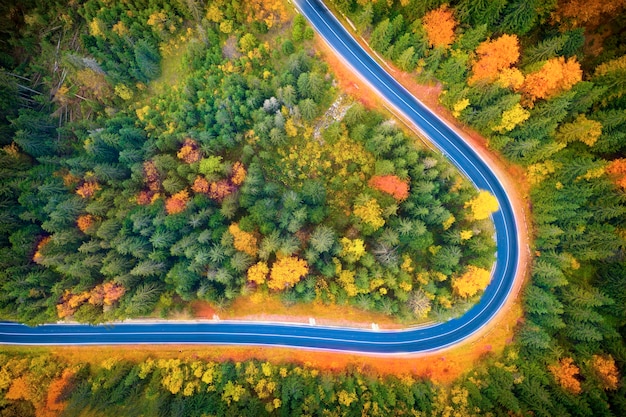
(146, 197)
(495, 56)
(244, 241)
(286, 272)
(586, 12)
(392, 185)
(102, 294)
(565, 373)
(439, 25)
(151, 176)
(177, 203)
(20, 389)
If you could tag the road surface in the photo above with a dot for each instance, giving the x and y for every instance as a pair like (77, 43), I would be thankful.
(412, 340)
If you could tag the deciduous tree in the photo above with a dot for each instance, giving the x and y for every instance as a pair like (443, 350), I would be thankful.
(439, 25)
(482, 205)
(286, 272)
(244, 241)
(494, 56)
(565, 373)
(555, 76)
(177, 203)
(392, 185)
(473, 280)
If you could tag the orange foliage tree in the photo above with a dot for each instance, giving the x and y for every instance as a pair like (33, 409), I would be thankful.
(565, 373)
(87, 189)
(473, 280)
(220, 189)
(286, 272)
(189, 152)
(482, 205)
(439, 25)
(607, 371)
(58, 390)
(38, 257)
(244, 241)
(177, 203)
(200, 185)
(390, 184)
(84, 222)
(20, 389)
(239, 174)
(494, 56)
(555, 76)
(617, 171)
(103, 294)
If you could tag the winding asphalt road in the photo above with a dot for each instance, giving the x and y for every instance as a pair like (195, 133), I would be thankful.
(412, 340)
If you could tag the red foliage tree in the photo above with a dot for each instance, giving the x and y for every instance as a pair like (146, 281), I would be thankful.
(390, 184)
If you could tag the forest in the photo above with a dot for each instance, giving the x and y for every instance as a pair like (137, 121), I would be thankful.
(155, 153)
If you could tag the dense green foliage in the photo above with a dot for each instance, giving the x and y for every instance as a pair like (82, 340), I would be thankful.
(175, 387)
(571, 142)
(183, 158)
(124, 190)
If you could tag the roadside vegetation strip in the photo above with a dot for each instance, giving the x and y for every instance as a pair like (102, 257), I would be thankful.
(321, 12)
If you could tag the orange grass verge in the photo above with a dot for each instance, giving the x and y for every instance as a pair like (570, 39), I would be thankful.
(269, 307)
(440, 367)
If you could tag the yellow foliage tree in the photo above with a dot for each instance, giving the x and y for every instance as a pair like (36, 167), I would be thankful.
(257, 273)
(459, 106)
(473, 280)
(286, 272)
(244, 241)
(511, 118)
(482, 205)
(370, 213)
(511, 78)
(582, 129)
(352, 249)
